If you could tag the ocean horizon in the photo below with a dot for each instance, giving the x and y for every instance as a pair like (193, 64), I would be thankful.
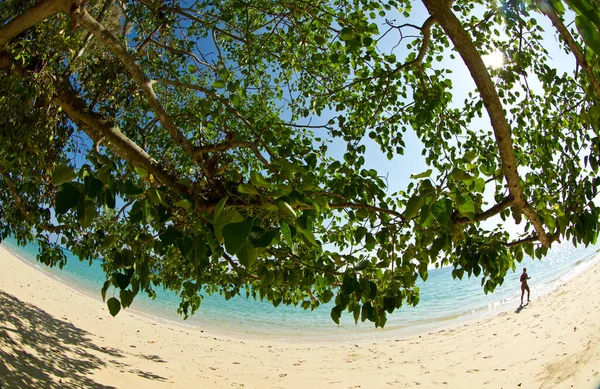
(444, 302)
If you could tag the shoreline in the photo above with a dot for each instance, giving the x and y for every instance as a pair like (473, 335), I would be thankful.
(54, 336)
(341, 334)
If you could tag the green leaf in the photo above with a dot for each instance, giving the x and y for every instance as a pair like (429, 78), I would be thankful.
(247, 255)
(286, 209)
(308, 234)
(336, 313)
(586, 9)
(258, 180)
(185, 182)
(319, 40)
(86, 212)
(421, 175)
(346, 34)
(141, 171)
(219, 208)
(389, 304)
(479, 185)
(109, 240)
(470, 155)
(109, 199)
(122, 280)
(62, 174)
(370, 241)
(224, 73)
(558, 6)
(466, 206)
(93, 186)
(126, 298)
(185, 204)
(236, 235)
(104, 289)
(442, 211)
(67, 198)
(170, 235)
(412, 206)
(247, 189)
(132, 190)
(185, 245)
(192, 69)
(589, 33)
(460, 175)
(287, 233)
(363, 213)
(326, 296)
(261, 238)
(226, 216)
(136, 213)
(219, 84)
(114, 306)
(154, 196)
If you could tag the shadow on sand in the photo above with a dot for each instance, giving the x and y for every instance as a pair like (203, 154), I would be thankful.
(521, 307)
(38, 350)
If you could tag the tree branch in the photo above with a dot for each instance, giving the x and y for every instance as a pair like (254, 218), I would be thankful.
(39, 12)
(464, 45)
(426, 31)
(88, 22)
(89, 35)
(199, 150)
(222, 146)
(531, 239)
(97, 127)
(183, 13)
(496, 209)
(546, 8)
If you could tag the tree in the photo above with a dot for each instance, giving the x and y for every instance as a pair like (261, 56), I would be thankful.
(186, 144)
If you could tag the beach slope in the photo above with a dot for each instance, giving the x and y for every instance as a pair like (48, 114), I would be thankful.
(52, 336)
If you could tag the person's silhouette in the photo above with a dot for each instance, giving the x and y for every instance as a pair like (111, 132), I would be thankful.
(524, 286)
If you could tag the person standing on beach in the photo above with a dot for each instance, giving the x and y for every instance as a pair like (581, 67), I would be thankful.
(524, 286)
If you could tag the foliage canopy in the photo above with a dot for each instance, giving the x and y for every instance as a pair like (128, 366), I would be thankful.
(186, 144)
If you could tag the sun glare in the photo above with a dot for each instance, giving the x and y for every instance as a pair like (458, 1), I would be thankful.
(494, 60)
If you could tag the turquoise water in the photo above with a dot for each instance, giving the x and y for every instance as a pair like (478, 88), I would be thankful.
(443, 301)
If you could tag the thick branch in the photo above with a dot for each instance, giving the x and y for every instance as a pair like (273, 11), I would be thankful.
(89, 35)
(88, 22)
(39, 12)
(547, 9)
(496, 209)
(97, 128)
(464, 45)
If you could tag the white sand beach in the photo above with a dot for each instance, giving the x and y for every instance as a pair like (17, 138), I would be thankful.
(52, 336)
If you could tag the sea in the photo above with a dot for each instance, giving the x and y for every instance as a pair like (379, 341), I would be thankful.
(444, 301)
